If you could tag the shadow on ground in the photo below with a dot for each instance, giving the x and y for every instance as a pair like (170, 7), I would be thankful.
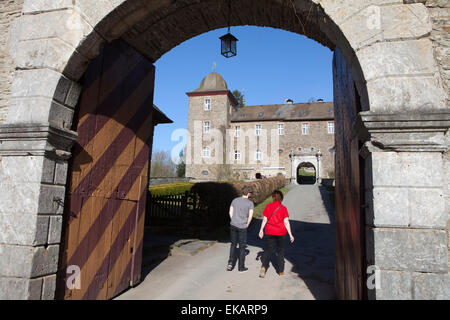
(312, 255)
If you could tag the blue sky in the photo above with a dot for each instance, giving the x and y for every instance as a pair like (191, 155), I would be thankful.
(271, 65)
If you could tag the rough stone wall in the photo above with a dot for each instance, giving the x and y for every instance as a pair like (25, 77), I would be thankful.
(9, 10)
(218, 118)
(439, 11)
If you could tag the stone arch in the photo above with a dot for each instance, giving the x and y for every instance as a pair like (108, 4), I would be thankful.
(385, 43)
(306, 165)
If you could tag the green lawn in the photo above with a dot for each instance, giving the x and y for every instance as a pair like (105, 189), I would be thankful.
(257, 212)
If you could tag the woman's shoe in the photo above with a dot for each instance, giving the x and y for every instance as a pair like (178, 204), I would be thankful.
(262, 273)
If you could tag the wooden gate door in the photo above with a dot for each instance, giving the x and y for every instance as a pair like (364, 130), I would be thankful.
(105, 202)
(350, 221)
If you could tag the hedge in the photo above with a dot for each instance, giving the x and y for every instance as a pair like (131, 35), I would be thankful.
(170, 189)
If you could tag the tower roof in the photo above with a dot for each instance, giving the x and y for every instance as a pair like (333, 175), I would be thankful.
(212, 82)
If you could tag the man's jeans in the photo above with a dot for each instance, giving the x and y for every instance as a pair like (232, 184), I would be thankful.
(238, 235)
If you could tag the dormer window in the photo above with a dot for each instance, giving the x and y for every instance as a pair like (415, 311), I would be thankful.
(207, 104)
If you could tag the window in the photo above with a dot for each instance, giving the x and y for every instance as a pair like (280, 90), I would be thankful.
(312, 149)
(207, 104)
(260, 114)
(237, 131)
(299, 149)
(305, 128)
(205, 152)
(206, 126)
(280, 129)
(258, 155)
(243, 115)
(258, 129)
(205, 173)
(280, 151)
(330, 127)
(237, 155)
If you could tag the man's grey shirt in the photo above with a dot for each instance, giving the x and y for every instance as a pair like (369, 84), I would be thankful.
(241, 207)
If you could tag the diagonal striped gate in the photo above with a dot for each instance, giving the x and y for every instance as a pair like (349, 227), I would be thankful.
(105, 202)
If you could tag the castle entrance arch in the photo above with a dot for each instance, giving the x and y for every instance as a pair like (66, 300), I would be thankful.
(300, 162)
(306, 173)
(378, 73)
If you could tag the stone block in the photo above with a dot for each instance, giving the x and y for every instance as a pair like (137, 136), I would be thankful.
(23, 229)
(27, 169)
(411, 57)
(410, 250)
(427, 208)
(49, 287)
(405, 21)
(66, 25)
(429, 286)
(20, 289)
(61, 173)
(19, 197)
(28, 262)
(340, 10)
(52, 53)
(51, 199)
(404, 94)
(407, 207)
(390, 207)
(40, 83)
(73, 95)
(40, 110)
(394, 285)
(55, 229)
(37, 6)
(406, 169)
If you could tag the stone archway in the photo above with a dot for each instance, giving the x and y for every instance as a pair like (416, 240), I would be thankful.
(306, 173)
(386, 44)
(297, 160)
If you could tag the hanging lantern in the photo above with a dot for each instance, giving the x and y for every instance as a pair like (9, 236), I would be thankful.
(228, 45)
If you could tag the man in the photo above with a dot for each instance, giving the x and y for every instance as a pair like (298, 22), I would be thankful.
(241, 214)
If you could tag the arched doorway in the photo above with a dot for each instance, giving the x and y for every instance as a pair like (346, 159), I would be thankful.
(370, 60)
(306, 173)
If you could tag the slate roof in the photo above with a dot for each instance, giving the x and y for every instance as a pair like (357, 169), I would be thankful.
(285, 112)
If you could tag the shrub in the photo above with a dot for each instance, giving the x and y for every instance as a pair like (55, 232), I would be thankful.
(170, 189)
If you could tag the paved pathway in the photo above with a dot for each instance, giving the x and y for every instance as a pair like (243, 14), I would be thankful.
(309, 261)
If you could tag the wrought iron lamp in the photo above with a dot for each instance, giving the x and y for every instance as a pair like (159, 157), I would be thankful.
(228, 45)
(228, 41)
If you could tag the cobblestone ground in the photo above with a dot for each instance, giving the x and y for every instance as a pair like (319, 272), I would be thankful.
(309, 261)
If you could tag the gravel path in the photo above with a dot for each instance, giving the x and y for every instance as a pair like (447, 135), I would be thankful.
(309, 261)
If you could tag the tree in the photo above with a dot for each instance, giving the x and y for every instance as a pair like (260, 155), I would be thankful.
(312, 99)
(162, 165)
(181, 166)
(240, 98)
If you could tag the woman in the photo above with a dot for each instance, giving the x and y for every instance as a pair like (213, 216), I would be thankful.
(276, 223)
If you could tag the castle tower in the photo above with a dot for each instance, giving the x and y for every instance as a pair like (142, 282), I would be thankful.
(209, 116)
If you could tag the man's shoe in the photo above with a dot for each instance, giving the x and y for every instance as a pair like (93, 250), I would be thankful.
(229, 267)
(281, 273)
(262, 273)
(243, 270)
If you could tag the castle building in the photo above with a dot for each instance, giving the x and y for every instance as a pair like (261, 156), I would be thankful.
(227, 142)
